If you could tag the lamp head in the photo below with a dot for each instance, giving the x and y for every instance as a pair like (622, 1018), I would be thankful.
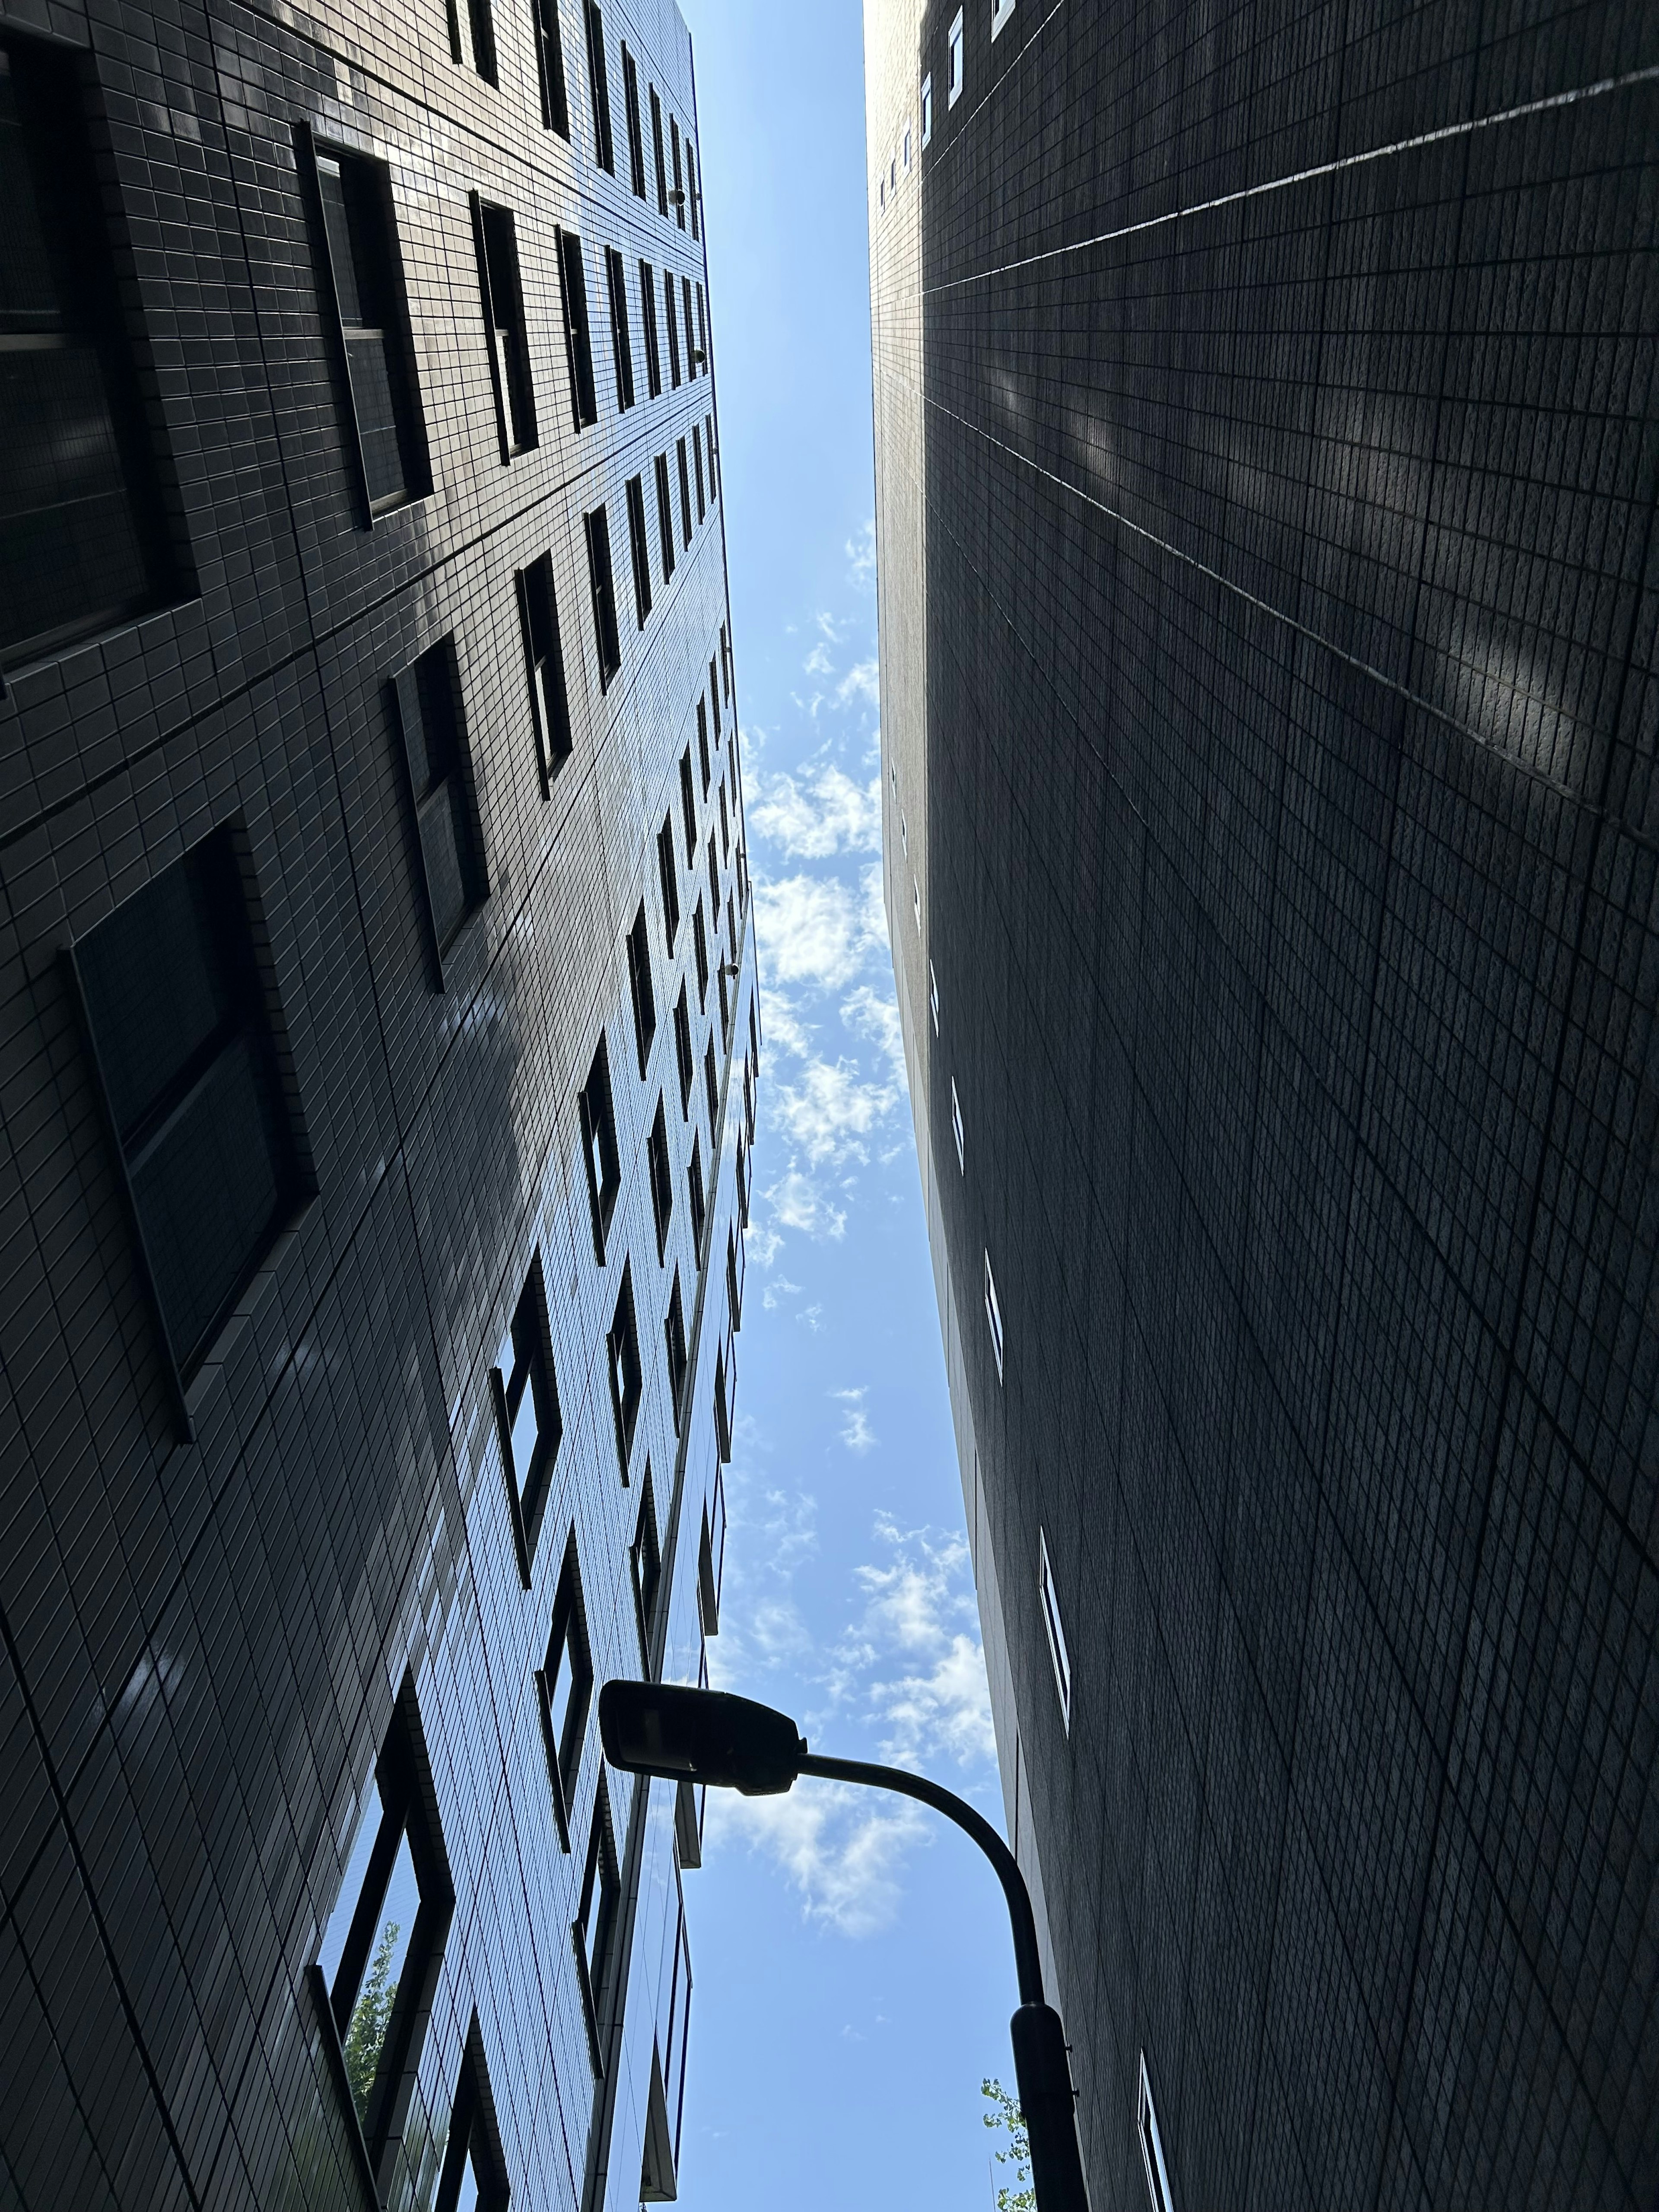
(699, 1735)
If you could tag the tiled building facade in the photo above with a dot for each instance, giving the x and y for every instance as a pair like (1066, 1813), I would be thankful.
(1266, 465)
(377, 1075)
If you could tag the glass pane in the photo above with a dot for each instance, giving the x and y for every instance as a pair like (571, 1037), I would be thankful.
(445, 881)
(526, 1434)
(351, 1888)
(338, 224)
(467, 2198)
(371, 2016)
(377, 420)
(561, 1693)
(27, 290)
(153, 990)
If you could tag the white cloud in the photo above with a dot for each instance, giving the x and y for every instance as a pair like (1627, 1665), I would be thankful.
(862, 556)
(919, 1608)
(860, 682)
(817, 662)
(840, 1851)
(855, 1431)
(799, 1203)
(784, 1029)
(875, 1015)
(764, 1245)
(829, 1111)
(815, 930)
(778, 1292)
(822, 815)
(827, 628)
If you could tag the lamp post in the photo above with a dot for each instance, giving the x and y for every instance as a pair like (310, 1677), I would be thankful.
(723, 1742)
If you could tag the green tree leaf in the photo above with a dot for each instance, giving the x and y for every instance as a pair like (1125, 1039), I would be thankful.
(1005, 2114)
(371, 2016)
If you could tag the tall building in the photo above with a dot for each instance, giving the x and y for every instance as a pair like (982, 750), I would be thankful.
(1265, 468)
(377, 1082)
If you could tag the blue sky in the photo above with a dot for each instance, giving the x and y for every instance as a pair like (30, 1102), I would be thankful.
(853, 1971)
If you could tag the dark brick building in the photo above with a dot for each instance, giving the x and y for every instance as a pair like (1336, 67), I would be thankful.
(1265, 470)
(378, 1050)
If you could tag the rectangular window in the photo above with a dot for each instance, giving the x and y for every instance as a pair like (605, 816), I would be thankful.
(726, 1397)
(711, 1558)
(549, 703)
(83, 536)
(426, 697)
(593, 1931)
(713, 881)
(622, 345)
(377, 1968)
(703, 746)
(699, 943)
(665, 517)
(662, 1180)
(714, 464)
(674, 1343)
(564, 1689)
(685, 491)
(649, 317)
(726, 840)
(1060, 1657)
(473, 2176)
(482, 27)
(636, 142)
(578, 339)
(598, 87)
(672, 314)
(645, 1559)
(677, 196)
(596, 528)
(656, 148)
(953, 88)
(639, 986)
(956, 1127)
(714, 693)
(599, 1123)
(693, 196)
(528, 1417)
(1001, 12)
(694, 1194)
(736, 1260)
(362, 289)
(549, 67)
(692, 356)
(696, 467)
(684, 1057)
(994, 1314)
(497, 242)
(702, 332)
(711, 1085)
(907, 147)
(623, 1349)
(933, 996)
(181, 1036)
(927, 110)
(639, 549)
(668, 878)
(689, 808)
(1150, 2139)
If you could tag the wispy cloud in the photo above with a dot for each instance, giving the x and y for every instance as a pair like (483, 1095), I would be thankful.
(823, 814)
(829, 1111)
(862, 680)
(875, 1015)
(817, 662)
(862, 556)
(777, 1292)
(797, 1202)
(920, 1609)
(840, 1852)
(815, 930)
(855, 1431)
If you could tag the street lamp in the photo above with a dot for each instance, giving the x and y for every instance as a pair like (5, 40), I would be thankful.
(724, 1742)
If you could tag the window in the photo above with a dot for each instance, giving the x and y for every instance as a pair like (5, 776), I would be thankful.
(714, 880)
(699, 1203)
(360, 283)
(176, 1012)
(703, 769)
(994, 1314)
(893, 173)
(689, 808)
(907, 146)
(692, 354)
(593, 1930)
(685, 1058)
(564, 1690)
(677, 196)
(1001, 12)
(483, 28)
(883, 195)
(1055, 1633)
(528, 1417)
(668, 876)
(596, 528)
(622, 347)
(377, 1968)
(926, 110)
(1151, 2144)
(725, 843)
(715, 696)
(711, 1558)
(693, 196)
(711, 1084)
(599, 1144)
(742, 1181)
(904, 831)
(953, 91)
(645, 1559)
(83, 537)
(726, 1397)
(664, 518)
(737, 1255)
(703, 332)
(685, 491)
(674, 1331)
(549, 68)
(636, 142)
(473, 2177)
(623, 1348)
(543, 660)
(639, 549)
(956, 1126)
(427, 698)
(915, 902)
(648, 316)
(578, 340)
(639, 986)
(933, 996)
(672, 313)
(662, 1180)
(699, 943)
(656, 148)
(597, 87)
(714, 474)
(503, 313)
(725, 643)
(697, 467)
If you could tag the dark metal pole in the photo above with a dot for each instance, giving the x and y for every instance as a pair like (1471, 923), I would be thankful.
(1046, 2097)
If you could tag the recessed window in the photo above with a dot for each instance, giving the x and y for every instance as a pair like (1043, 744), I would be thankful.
(671, 312)
(694, 197)
(527, 1415)
(714, 879)
(696, 467)
(648, 318)
(180, 1029)
(933, 996)
(473, 2177)
(361, 284)
(598, 85)
(1001, 10)
(578, 338)
(700, 949)
(668, 878)
(84, 541)
(725, 1397)
(623, 1349)
(915, 902)
(714, 695)
(1058, 1656)
(743, 1181)
(694, 1193)
(690, 343)
(645, 1559)
(426, 697)
(635, 139)
(599, 1146)
(703, 332)
(904, 834)
(549, 702)
(883, 194)
(497, 241)
(1151, 2144)
(907, 146)
(656, 151)
(639, 549)
(639, 986)
(737, 1255)
(956, 1126)
(674, 1329)
(713, 481)
(893, 173)
(664, 518)
(662, 1179)
(677, 198)
(682, 1052)
(549, 67)
(955, 60)
(593, 1931)
(596, 528)
(622, 345)
(926, 110)
(994, 1314)
(711, 1557)
(711, 1084)
(685, 491)
(703, 769)
(377, 1968)
(483, 28)
(564, 1690)
(688, 807)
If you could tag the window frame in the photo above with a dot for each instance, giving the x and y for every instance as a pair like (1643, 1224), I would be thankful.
(927, 109)
(956, 60)
(668, 879)
(601, 1879)
(652, 339)
(474, 2135)
(549, 68)
(596, 1109)
(602, 593)
(674, 1345)
(644, 1572)
(501, 290)
(661, 1168)
(640, 990)
(636, 136)
(639, 549)
(627, 1373)
(568, 1640)
(1002, 14)
(432, 681)
(527, 1495)
(664, 519)
(598, 86)
(1054, 1628)
(684, 1055)
(622, 343)
(545, 669)
(670, 313)
(994, 1316)
(578, 328)
(656, 148)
